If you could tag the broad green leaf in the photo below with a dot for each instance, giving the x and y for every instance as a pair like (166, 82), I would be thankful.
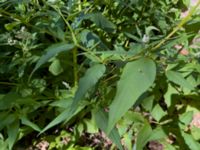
(177, 78)
(12, 131)
(27, 122)
(191, 143)
(136, 79)
(157, 112)
(157, 134)
(101, 21)
(147, 103)
(88, 81)
(101, 118)
(55, 68)
(143, 137)
(52, 51)
(195, 131)
(168, 95)
(91, 126)
(186, 117)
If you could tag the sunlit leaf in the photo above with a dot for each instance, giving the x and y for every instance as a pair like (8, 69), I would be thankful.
(191, 143)
(157, 112)
(177, 78)
(55, 68)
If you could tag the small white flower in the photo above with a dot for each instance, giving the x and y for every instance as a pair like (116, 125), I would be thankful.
(22, 29)
(11, 41)
(145, 38)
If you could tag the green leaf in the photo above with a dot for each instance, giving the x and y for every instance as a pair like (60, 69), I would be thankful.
(136, 79)
(195, 131)
(157, 134)
(168, 95)
(6, 119)
(191, 143)
(12, 131)
(3, 144)
(147, 103)
(177, 78)
(27, 122)
(88, 81)
(186, 117)
(52, 51)
(55, 68)
(91, 126)
(10, 26)
(169, 146)
(101, 118)
(101, 21)
(143, 137)
(64, 116)
(158, 112)
(8, 100)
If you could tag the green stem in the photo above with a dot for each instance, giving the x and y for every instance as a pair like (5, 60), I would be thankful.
(75, 66)
(183, 21)
(8, 83)
(76, 41)
(68, 25)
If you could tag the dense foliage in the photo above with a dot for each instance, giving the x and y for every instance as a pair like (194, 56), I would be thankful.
(73, 71)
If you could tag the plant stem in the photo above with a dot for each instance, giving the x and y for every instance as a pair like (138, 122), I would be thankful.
(75, 66)
(183, 21)
(8, 83)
